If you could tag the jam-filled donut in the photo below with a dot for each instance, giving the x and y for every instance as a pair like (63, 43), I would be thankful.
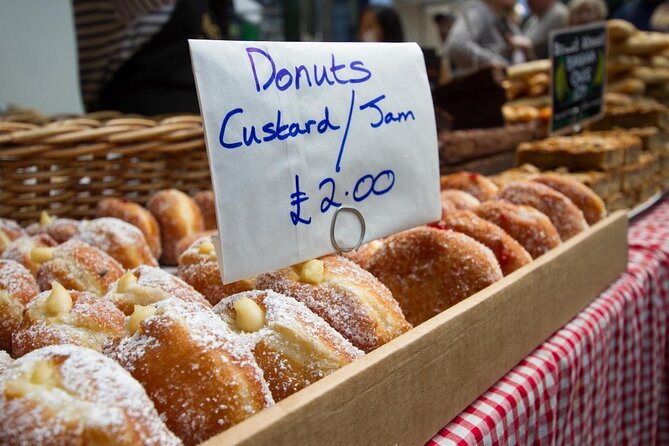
(77, 266)
(20, 249)
(205, 201)
(59, 316)
(198, 267)
(362, 255)
(5, 361)
(509, 253)
(582, 196)
(59, 229)
(9, 231)
(137, 216)
(147, 285)
(349, 298)
(70, 395)
(292, 345)
(17, 288)
(121, 240)
(429, 270)
(454, 200)
(529, 227)
(475, 184)
(565, 216)
(199, 374)
(178, 216)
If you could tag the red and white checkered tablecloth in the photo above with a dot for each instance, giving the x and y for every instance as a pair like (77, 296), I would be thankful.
(601, 380)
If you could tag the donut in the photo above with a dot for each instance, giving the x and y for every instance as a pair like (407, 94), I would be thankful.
(429, 270)
(188, 240)
(178, 216)
(146, 285)
(620, 29)
(509, 253)
(473, 183)
(121, 240)
(362, 255)
(292, 345)
(529, 227)
(205, 201)
(19, 250)
(59, 229)
(9, 231)
(565, 216)
(198, 266)
(582, 196)
(71, 395)
(200, 376)
(454, 199)
(5, 361)
(77, 266)
(17, 288)
(137, 216)
(349, 298)
(59, 316)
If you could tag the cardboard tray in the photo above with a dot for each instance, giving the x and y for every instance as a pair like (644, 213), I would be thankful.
(405, 391)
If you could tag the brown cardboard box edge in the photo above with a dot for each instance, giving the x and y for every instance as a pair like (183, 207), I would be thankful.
(405, 391)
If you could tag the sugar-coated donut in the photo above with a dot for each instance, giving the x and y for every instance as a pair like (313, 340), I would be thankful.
(17, 288)
(9, 231)
(362, 255)
(20, 249)
(147, 285)
(121, 240)
(454, 199)
(178, 216)
(429, 270)
(565, 216)
(137, 216)
(70, 395)
(59, 316)
(188, 240)
(198, 266)
(77, 266)
(5, 361)
(205, 201)
(292, 345)
(59, 229)
(509, 253)
(473, 183)
(582, 196)
(349, 298)
(529, 227)
(199, 374)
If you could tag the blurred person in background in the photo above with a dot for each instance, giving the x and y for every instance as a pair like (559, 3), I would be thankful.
(444, 22)
(582, 12)
(380, 24)
(547, 15)
(638, 12)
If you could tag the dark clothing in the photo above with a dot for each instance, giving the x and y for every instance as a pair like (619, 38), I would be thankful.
(638, 12)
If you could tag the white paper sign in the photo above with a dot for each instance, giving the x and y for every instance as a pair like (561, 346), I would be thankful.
(295, 131)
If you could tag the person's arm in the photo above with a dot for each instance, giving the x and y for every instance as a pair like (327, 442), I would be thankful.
(128, 10)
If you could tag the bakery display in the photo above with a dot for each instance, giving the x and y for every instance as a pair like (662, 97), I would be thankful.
(346, 296)
(59, 316)
(137, 216)
(20, 250)
(69, 395)
(205, 201)
(59, 229)
(17, 288)
(178, 216)
(590, 204)
(9, 231)
(473, 183)
(200, 376)
(292, 345)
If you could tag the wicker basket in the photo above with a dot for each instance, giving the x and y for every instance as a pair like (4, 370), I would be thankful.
(67, 166)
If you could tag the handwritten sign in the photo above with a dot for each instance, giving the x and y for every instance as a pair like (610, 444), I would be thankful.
(296, 131)
(578, 75)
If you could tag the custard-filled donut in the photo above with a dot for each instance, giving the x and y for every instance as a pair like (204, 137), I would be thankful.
(565, 216)
(509, 253)
(5, 361)
(17, 288)
(292, 345)
(473, 183)
(70, 395)
(137, 216)
(529, 227)
(77, 266)
(198, 267)
(178, 216)
(429, 270)
(20, 249)
(188, 240)
(349, 298)
(362, 255)
(59, 316)
(582, 196)
(59, 229)
(9, 231)
(198, 373)
(121, 240)
(147, 285)
(205, 201)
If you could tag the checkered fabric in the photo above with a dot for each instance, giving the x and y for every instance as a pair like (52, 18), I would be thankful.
(601, 380)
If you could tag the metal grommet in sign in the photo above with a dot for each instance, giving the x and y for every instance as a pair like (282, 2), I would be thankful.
(363, 228)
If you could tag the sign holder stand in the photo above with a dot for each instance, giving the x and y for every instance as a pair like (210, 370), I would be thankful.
(363, 229)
